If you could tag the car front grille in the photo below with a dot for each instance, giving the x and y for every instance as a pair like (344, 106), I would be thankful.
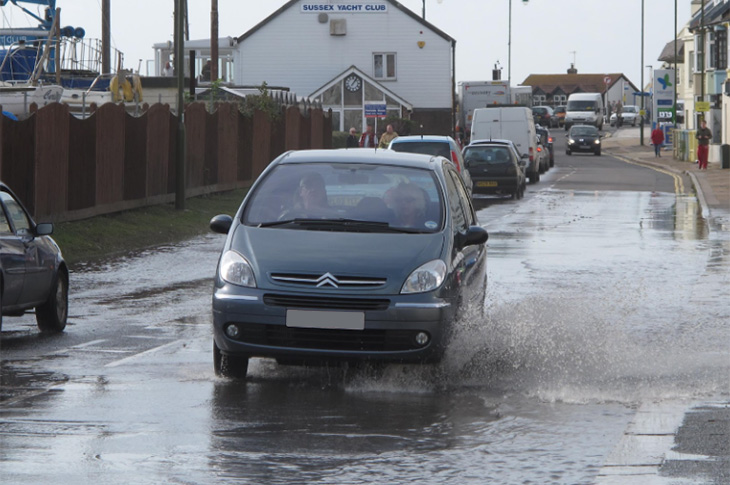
(325, 339)
(328, 281)
(326, 303)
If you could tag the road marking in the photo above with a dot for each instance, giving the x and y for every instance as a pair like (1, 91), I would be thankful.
(678, 183)
(134, 357)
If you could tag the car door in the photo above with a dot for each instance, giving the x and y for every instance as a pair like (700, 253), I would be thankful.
(12, 260)
(35, 271)
(469, 262)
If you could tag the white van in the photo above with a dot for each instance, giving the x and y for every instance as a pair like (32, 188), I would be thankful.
(584, 109)
(514, 123)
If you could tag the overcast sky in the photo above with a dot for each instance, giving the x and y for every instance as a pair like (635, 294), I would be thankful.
(601, 36)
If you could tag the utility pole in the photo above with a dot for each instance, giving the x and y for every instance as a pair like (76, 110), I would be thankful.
(214, 40)
(180, 71)
(643, 104)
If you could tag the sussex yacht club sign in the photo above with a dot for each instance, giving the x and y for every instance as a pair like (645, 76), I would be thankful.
(344, 7)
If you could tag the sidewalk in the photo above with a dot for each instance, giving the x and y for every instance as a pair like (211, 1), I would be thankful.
(712, 185)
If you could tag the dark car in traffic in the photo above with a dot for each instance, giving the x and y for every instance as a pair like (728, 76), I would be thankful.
(546, 140)
(544, 115)
(583, 138)
(495, 168)
(33, 274)
(559, 113)
(347, 255)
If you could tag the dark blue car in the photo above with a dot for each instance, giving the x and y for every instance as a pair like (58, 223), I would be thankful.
(347, 255)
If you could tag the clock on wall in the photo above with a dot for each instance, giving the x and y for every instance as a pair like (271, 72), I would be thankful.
(353, 83)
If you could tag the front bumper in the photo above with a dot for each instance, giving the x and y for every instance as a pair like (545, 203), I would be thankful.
(392, 324)
(584, 147)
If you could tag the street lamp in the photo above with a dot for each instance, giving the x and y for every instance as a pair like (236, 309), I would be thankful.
(509, 42)
(643, 107)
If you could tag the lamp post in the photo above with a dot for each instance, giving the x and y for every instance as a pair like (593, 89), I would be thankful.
(643, 107)
(509, 41)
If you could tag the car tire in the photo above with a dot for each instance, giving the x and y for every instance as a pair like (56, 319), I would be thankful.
(535, 177)
(52, 315)
(597, 152)
(552, 162)
(233, 366)
(568, 152)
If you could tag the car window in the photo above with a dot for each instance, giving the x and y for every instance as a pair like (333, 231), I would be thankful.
(459, 215)
(402, 197)
(16, 213)
(4, 225)
(436, 148)
(487, 155)
(583, 130)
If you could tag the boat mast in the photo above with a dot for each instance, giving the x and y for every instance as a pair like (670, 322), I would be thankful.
(106, 37)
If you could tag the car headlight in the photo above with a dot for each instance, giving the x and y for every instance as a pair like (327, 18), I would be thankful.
(597, 142)
(426, 277)
(570, 141)
(236, 270)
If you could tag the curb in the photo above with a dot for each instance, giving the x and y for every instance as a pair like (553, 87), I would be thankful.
(695, 183)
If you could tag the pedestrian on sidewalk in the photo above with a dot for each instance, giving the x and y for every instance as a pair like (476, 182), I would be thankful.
(657, 139)
(352, 139)
(368, 138)
(704, 135)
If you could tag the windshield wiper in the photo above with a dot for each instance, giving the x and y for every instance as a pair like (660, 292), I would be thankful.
(354, 224)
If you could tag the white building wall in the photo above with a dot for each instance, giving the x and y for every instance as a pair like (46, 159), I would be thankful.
(296, 51)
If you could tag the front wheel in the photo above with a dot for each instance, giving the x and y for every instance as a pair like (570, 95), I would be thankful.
(568, 152)
(234, 366)
(597, 152)
(51, 316)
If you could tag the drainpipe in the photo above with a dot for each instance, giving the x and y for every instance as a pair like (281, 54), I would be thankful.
(453, 89)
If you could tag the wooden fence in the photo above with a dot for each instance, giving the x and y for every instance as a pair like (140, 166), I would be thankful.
(64, 168)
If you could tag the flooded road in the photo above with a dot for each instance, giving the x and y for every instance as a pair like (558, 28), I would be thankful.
(602, 302)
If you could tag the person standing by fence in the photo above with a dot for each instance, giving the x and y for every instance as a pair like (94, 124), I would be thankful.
(704, 135)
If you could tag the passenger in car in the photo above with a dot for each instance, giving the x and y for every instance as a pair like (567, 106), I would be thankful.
(312, 192)
(408, 201)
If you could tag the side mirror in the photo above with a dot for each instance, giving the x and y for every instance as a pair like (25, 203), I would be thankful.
(475, 235)
(525, 156)
(44, 229)
(221, 223)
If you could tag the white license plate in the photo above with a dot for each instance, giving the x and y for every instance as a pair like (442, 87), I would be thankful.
(325, 319)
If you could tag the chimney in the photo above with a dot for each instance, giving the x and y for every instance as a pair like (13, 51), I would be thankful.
(572, 69)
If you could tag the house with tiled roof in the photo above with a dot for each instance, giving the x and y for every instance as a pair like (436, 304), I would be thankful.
(554, 89)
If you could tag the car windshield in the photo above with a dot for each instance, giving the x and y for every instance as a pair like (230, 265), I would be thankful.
(347, 197)
(437, 148)
(560, 109)
(539, 111)
(486, 155)
(584, 131)
(630, 109)
(581, 105)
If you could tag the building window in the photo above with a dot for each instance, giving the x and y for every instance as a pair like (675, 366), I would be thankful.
(691, 70)
(539, 99)
(384, 65)
(721, 49)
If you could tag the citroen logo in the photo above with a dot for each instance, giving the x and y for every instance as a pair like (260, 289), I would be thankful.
(327, 279)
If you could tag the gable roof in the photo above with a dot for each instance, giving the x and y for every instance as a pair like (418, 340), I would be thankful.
(394, 3)
(570, 83)
(369, 79)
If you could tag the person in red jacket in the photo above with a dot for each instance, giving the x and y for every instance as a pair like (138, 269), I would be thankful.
(657, 139)
(368, 138)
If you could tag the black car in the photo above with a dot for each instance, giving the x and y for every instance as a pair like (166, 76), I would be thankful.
(495, 168)
(33, 274)
(583, 138)
(347, 255)
(544, 115)
(546, 140)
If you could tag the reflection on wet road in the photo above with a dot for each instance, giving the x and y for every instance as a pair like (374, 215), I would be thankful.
(598, 301)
